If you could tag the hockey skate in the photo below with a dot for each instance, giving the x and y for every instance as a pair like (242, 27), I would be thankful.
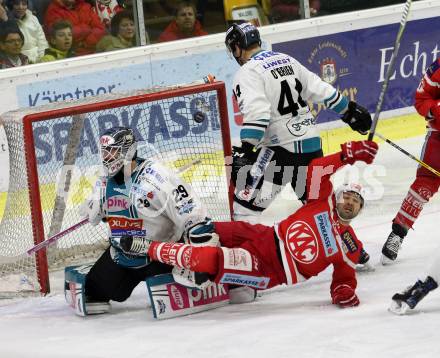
(391, 248)
(403, 302)
(393, 244)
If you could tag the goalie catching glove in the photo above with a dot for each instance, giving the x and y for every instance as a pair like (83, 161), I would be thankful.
(344, 296)
(202, 234)
(357, 117)
(92, 211)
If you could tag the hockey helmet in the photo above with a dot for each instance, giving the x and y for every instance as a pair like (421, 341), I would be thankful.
(348, 213)
(118, 145)
(243, 35)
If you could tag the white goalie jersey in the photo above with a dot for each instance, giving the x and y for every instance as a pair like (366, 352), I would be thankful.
(166, 205)
(272, 90)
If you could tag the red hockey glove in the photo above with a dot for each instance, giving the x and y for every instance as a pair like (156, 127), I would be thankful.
(435, 111)
(364, 150)
(344, 296)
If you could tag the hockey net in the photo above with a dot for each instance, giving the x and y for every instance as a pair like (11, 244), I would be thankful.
(54, 162)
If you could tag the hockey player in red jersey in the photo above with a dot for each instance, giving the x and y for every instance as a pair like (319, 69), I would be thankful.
(426, 184)
(301, 246)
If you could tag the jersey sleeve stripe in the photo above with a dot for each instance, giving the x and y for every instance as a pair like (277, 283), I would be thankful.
(254, 125)
(251, 133)
(430, 82)
(340, 105)
(330, 99)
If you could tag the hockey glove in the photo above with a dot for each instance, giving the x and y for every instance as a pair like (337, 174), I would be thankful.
(241, 157)
(435, 115)
(92, 210)
(344, 296)
(192, 279)
(364, 150)
(202, 234)
(435, 110)
(134, 245)
(357, 117)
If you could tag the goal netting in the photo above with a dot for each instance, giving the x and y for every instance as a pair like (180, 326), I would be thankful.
(54, 162)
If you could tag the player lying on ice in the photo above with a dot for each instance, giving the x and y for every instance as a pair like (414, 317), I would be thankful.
(299, 247)
(138, 197)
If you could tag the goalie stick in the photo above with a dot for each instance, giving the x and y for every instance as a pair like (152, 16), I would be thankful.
(63, 233)
(390, 68)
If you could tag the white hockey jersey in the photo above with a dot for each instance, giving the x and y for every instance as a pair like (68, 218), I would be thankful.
(165, 203)
(155, 203)
(272, 90)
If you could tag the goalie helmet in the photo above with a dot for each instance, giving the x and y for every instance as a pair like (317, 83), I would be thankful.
(118, 146)
(243, 35)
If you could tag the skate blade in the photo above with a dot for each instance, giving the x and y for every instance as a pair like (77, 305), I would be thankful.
(386, 261)
(399, 308)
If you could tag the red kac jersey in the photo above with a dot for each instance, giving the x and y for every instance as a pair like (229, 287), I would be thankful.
(311, 239)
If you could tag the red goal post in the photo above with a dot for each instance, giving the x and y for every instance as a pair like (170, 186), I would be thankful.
(54, 160)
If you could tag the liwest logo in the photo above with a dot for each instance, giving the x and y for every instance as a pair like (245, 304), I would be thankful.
(117, 203)
(322, 221)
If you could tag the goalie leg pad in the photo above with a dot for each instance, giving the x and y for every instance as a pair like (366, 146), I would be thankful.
(170, 299)
(238, 266)
(74, 292)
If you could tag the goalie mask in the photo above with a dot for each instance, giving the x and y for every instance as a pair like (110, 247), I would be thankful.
(118, 146)
(244, 36)
(349, 201)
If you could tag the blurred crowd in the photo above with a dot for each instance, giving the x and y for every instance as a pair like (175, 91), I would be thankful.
(34, 31)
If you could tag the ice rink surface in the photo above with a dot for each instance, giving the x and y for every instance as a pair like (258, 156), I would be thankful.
(297, 321)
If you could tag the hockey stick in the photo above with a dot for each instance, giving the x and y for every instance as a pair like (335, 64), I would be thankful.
(56, 237)
(390, 68)
(400, 149)
(63, 233)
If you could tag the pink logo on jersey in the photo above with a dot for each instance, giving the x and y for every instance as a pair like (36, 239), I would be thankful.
(302, 242)
(117, 203)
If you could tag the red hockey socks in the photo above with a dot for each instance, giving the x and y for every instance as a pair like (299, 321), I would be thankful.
(198, 259)
(418, 195)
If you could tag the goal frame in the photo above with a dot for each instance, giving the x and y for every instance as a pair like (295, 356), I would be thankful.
(38, 233)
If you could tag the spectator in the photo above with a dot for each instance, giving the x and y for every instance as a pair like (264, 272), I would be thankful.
(126, 4)
(106, 9)
(61, 40)
(34, 39)
(5, 15)
(284, 10)
(86, 25)
(11, 43)
(185, 24)
(122, 33)
(289, 10)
